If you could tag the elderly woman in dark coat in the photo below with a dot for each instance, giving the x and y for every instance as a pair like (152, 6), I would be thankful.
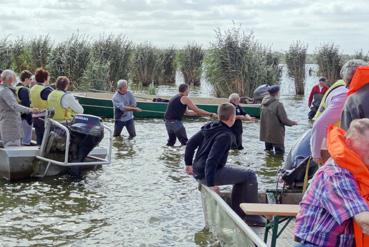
(10, 119)
(273, 120)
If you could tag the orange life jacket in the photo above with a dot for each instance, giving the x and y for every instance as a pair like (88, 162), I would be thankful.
(359, 80)
(349, 160)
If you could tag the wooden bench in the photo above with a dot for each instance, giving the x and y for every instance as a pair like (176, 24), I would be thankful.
(279, 212)
(265, 209)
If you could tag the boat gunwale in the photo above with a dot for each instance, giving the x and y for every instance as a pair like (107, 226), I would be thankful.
(236, 219)
(143, 101)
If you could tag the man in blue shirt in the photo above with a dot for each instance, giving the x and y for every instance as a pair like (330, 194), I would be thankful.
(124, 105)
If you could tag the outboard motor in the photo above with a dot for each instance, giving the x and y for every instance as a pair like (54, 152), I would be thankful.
(293, 173)
(86, 131)
(260, 92)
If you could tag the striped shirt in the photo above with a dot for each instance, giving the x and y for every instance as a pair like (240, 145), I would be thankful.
(328, 206)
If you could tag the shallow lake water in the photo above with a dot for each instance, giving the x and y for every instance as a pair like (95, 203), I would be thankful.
(143, 198)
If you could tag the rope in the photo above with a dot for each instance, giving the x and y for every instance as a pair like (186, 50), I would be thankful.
(306, 178)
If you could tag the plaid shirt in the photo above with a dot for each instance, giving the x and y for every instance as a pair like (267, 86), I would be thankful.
(327, 208)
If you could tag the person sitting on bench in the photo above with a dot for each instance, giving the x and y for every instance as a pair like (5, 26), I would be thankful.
(212, 143)
(334, 210)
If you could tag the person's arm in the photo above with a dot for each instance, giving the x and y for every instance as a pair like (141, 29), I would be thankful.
(199, 112)
(45, 92)
(346, 116)
(221, 146)
(68, 101)
(133, 99)
(341, 197)
(363, 220)
(193, 143)
(23, 95)
(319, 131)
(282, 116)
(12, 103)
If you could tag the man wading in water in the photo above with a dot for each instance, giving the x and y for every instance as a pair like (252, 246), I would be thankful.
(212, 143)
(177, 108)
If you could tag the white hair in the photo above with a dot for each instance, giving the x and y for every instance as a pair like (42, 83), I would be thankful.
(349, 68)
(233, 97)
(8, 75)
(122, 83)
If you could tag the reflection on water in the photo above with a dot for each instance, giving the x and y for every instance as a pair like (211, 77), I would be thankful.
(143, 198)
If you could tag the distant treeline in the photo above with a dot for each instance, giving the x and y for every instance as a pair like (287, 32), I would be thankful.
(235, 61)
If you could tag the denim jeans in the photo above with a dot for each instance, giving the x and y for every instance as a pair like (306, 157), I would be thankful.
(130, 126)
(175, 130)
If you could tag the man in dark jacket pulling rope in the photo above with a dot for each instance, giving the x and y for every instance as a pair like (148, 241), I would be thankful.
(212, 143)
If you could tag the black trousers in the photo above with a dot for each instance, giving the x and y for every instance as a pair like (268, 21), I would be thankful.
(245, 185)
(278, 148)
(237, 141)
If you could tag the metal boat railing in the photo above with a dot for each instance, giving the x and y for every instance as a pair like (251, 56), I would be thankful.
(224, 223)
(65, 163)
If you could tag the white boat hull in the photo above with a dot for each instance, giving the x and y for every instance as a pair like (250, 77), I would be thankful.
(17, 163)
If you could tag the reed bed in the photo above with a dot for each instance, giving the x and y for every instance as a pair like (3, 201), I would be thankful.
(40, 49)
(70, 58)
(361, 55)
(330, 62)
(295, 60)
(143, 64)
(5, 53)
(237, 63)
(165, 67)
(189, 61)
(112, 52)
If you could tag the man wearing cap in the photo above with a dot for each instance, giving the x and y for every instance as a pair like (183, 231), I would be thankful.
(316, 95)
(273, 120)
(124, 105)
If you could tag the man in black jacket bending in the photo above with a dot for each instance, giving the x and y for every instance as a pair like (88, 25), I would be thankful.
(213, 142)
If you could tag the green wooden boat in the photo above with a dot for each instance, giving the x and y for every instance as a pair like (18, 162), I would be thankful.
(100, 104)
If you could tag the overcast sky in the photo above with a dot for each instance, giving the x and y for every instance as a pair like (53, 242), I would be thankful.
(163, 22)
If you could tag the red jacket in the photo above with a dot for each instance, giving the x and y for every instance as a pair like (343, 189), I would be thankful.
(316, 90)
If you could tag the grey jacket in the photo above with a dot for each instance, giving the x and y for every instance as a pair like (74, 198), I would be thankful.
(356, 106)
(272, 121)
(10, 119)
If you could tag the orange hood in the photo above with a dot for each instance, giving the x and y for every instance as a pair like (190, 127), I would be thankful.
(359, 80)
(349, 160)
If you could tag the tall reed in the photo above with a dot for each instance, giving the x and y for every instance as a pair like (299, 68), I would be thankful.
(5, 53)
(113, 51)
(330, 62)
(165, 67)
(40, 49)
(189, 62)
(237, 63)
(143, 64)
(21, 55)
(295, 60)
(70, 58)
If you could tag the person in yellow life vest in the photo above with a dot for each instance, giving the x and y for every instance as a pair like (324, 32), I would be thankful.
(23, 98)
(330, 111)
(39, 94)
(63, 103)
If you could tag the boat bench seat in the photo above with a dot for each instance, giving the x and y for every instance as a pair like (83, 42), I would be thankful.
(264, 209)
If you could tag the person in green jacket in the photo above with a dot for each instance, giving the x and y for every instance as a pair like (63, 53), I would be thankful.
(273, 120)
